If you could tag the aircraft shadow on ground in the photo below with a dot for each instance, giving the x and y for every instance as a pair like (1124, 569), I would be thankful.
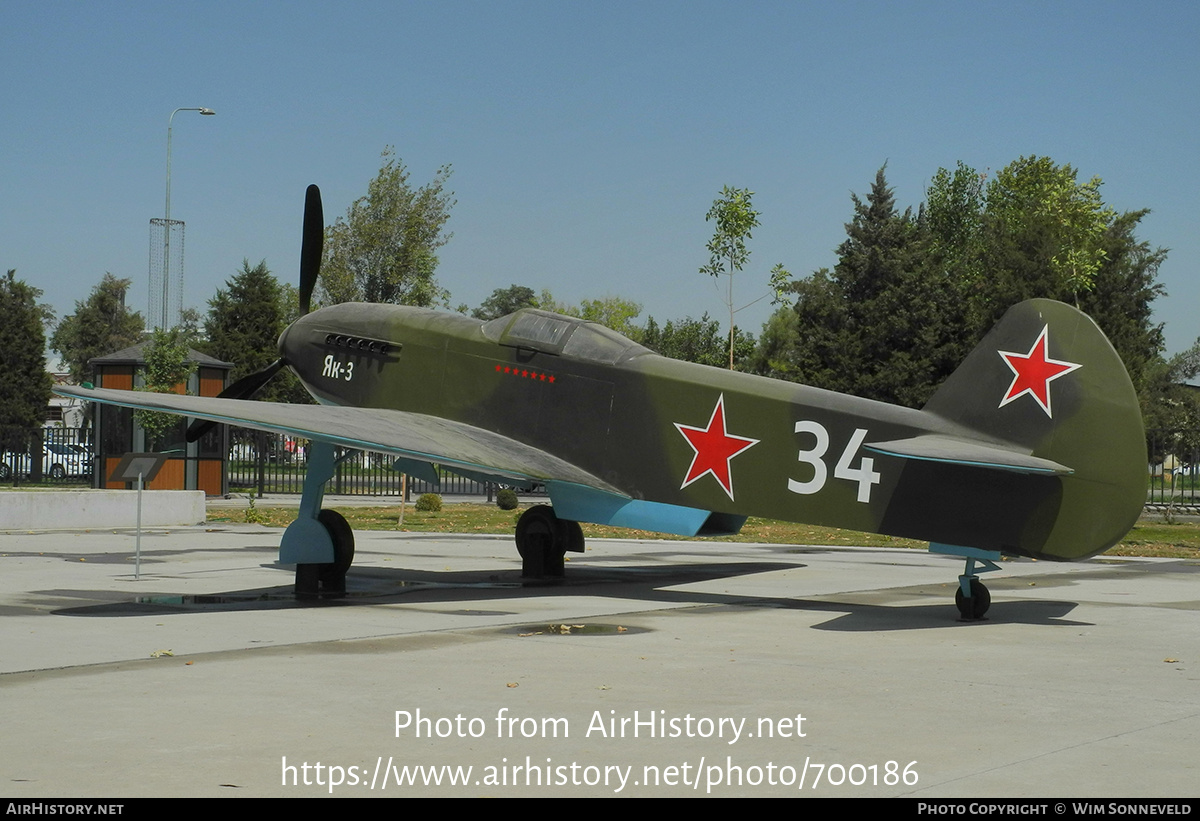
(858, 611)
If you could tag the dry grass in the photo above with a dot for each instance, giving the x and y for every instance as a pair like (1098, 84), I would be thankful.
(1181, 540)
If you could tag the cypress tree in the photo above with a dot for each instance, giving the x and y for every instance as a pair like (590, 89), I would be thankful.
(24, 383)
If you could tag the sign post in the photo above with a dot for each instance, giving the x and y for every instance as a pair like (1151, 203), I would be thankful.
(140, 468)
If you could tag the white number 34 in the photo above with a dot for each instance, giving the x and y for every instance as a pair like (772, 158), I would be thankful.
(864, 474)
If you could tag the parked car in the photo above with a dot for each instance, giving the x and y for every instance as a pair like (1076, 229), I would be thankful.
(58, 462)
(62, 460)
(11, 463)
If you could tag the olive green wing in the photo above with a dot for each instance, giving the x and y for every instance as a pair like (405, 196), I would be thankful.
(419, 440)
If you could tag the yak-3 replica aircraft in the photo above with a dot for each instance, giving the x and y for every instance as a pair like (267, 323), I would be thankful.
(1033, 447)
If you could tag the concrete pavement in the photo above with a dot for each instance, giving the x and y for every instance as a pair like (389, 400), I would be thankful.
(657, 668)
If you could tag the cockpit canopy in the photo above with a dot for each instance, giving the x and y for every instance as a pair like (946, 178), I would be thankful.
(561, 335)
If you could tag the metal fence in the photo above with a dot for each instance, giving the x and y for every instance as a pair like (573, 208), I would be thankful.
(63, 458)
(265, 463)
(1174, 457)
(259, 463)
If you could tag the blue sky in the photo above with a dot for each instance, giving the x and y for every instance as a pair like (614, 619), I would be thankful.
(588, 139)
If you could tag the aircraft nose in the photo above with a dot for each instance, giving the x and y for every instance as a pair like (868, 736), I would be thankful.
(283, 339)
(291, 339)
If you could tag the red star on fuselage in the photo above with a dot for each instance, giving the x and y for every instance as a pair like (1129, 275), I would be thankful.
(714, 448)
(1034, 371)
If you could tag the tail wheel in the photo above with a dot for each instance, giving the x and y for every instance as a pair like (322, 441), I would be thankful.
(973, 608)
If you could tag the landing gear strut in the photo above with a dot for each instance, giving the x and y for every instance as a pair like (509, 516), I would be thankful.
(320, 542)
(543, 540)
(971, 598)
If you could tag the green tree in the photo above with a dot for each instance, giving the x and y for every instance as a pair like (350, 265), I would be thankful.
(100, 325)
(695, 340)
(289, 300)
(884, 324)
(1041, 207)
(1033, 231)
(168, 367)
(24, 383)
(243, 325)
(736, 220)
(910, 297)
(385, 248)
(504, 301)
(1169, 403)
(1171, 407)
(612, 312)
(808, 343)
(1120, 299)
(776, 354)
(953, 216)
(1043, 234)
(191, 327)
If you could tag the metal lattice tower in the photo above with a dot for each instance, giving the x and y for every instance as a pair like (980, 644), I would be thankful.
(166, 272)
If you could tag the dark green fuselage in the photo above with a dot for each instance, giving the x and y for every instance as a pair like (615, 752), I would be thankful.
(623, 414)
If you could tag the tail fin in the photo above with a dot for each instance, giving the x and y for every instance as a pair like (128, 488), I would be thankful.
(1047, 382)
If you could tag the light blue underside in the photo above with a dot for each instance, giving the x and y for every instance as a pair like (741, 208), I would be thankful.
(584, 504)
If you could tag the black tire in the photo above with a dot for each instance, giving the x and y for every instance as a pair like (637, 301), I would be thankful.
(574, 536)
(973, 608)
(308, 580)
(343, 545)
(57, 473)
(5, 472)
(538, 526)
(328, 579)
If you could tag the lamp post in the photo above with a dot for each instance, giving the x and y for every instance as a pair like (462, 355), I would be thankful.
(166, 274)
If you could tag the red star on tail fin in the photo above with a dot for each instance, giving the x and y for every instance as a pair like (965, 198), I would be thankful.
(1034, 371)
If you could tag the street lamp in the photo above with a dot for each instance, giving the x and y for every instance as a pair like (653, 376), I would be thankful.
(162, 320)
(207, 112)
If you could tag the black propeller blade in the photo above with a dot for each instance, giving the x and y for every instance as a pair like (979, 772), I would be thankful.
(244, 388)
(311, 246)
(310, 266)
(247, 386)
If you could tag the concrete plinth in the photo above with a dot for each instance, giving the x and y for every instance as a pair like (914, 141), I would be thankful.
(99, 509)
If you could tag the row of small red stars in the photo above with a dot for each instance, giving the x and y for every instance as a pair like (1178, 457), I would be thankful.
(525, 374)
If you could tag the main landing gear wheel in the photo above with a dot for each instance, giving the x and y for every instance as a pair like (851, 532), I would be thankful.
(328, 580)
(574, 536)
(543, 539)
(973, 608)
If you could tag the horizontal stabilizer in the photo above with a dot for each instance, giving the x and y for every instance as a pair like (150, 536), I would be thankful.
(955, 451)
